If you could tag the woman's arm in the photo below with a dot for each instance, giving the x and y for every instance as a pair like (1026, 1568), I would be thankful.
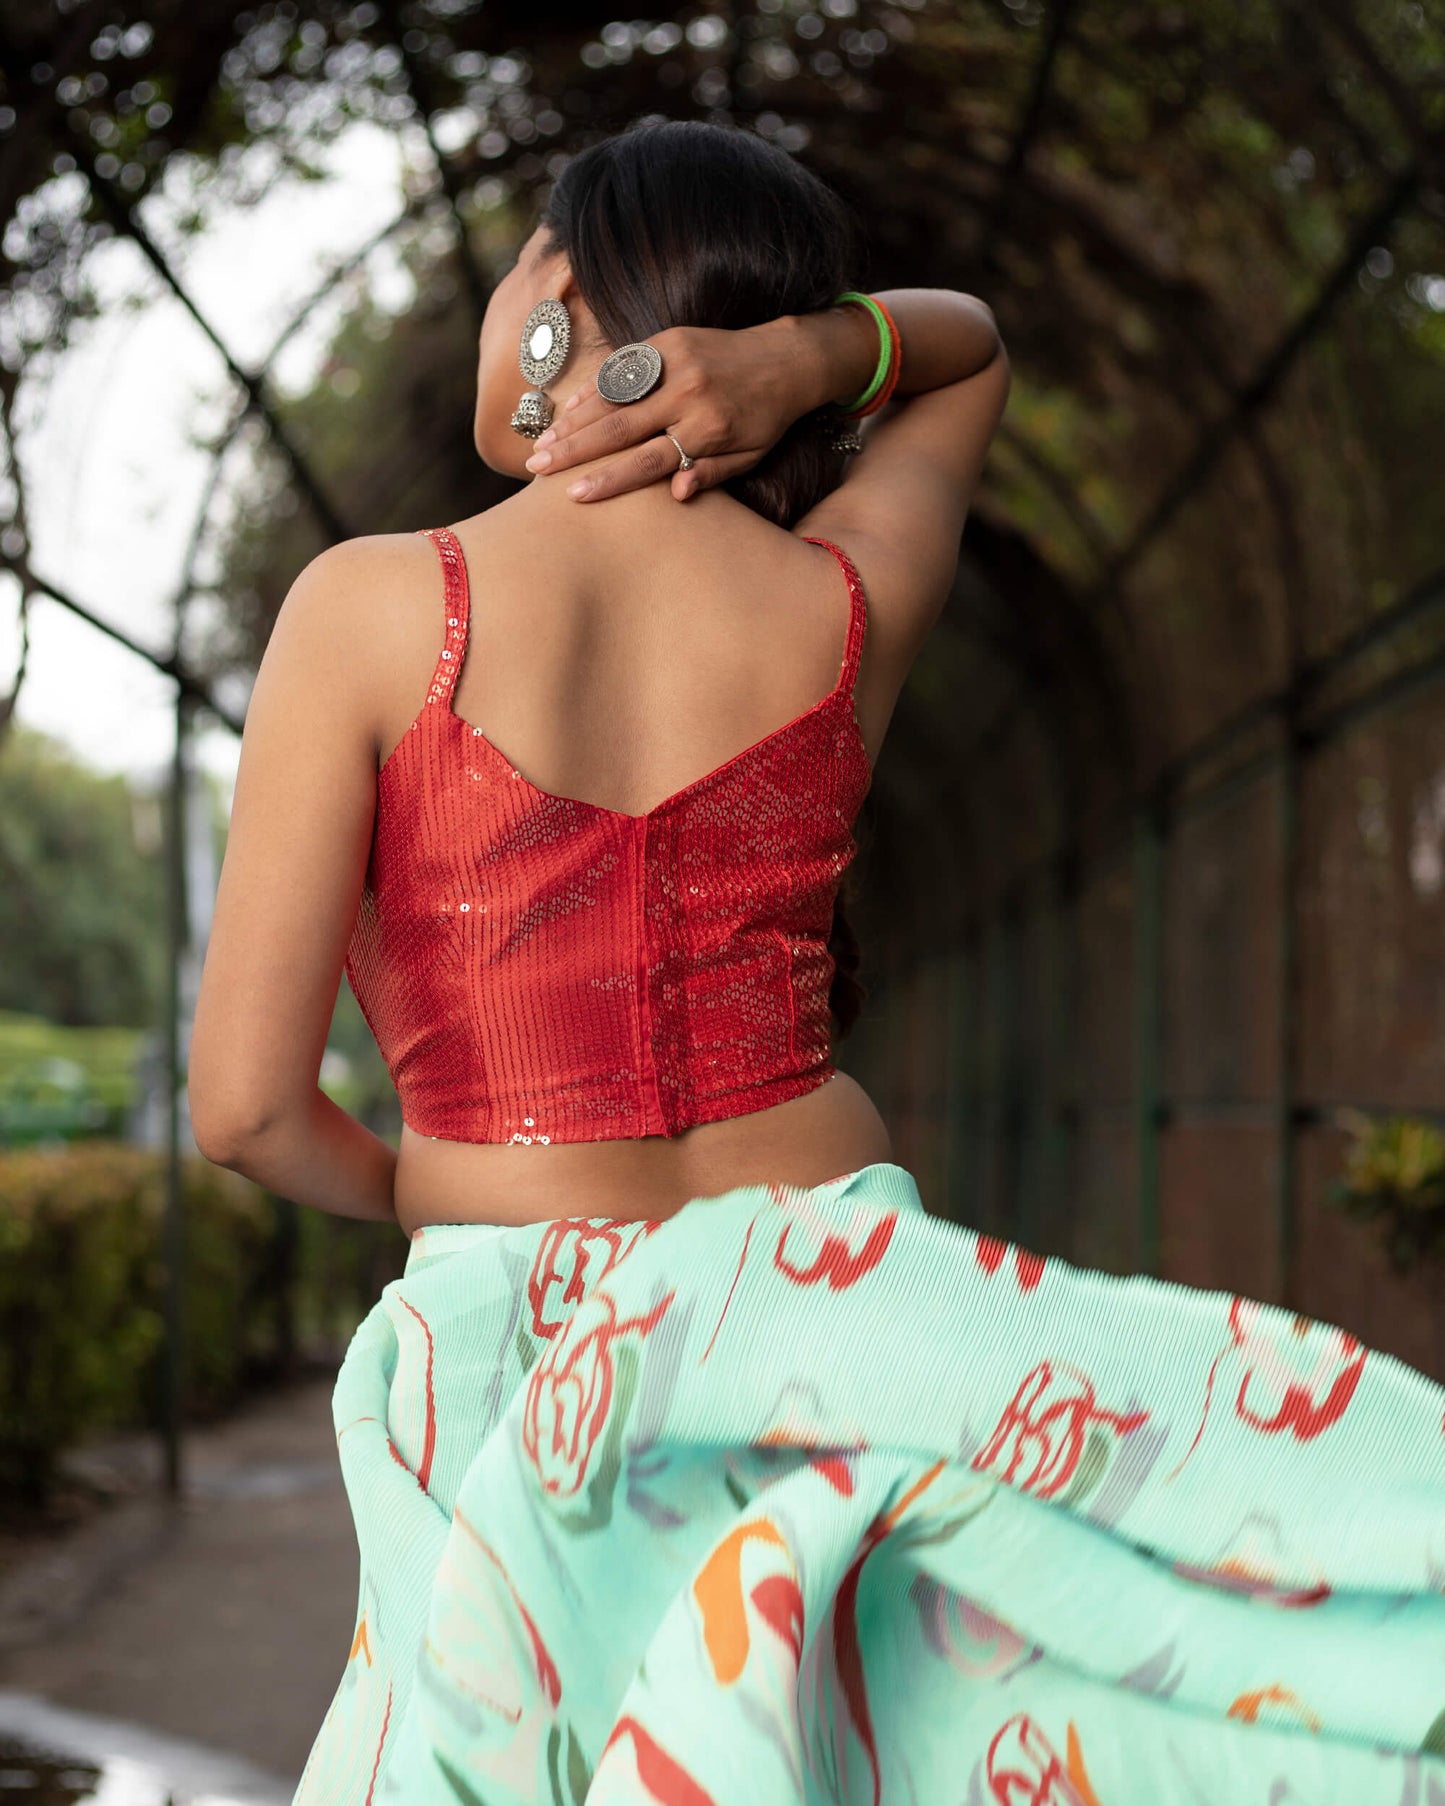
(295, 862)
(900, 508)
(730, 396)
(315, 1154)
(944, 335)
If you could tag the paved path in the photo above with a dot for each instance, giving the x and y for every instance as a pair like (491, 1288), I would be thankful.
(224, 1620)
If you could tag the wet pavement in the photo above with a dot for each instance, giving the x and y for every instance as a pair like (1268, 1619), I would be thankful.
(69, 1756)
(186, 1653)
(32, 1775)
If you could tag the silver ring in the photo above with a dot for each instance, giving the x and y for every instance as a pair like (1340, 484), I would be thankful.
(687, 462)
(629, 372)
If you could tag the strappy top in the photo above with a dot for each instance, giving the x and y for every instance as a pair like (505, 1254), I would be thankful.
(539, 969)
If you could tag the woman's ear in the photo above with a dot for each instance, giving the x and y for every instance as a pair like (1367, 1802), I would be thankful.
(555, 273)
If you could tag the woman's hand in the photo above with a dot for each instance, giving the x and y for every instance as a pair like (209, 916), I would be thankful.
(729, 396)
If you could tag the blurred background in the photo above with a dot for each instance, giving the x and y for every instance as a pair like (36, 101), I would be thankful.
(1152, 874)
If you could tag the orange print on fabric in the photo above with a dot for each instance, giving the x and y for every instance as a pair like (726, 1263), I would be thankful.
(429, 1442)
(718, 1590)
(884, 1524)
(1247, 1706)
(1074, 1764)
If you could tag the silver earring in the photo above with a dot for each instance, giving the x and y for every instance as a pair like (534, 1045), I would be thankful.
(546, 337)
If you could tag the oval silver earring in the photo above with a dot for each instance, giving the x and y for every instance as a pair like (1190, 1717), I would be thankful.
(546, 340)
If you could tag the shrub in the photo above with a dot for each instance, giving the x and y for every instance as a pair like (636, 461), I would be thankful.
(1395, 1171)
(82, 1293)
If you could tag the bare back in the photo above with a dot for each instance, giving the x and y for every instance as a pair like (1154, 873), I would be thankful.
(618, 653)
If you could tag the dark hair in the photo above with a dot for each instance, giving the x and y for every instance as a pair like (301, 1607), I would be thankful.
(680, 222)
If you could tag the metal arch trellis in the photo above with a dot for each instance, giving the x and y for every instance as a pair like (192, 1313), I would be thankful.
(1249, 400)
(1061, 18)
(1001, 636)
(1158, 809)
(1425, 169)
(192, 690)
(978, 1139)
(1154, 817)
(124, 217)
(1302, 722)
(1104, 593)
(172, 663)
(1014, 166)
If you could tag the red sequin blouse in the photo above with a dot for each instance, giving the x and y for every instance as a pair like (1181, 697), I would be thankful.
(540, 969)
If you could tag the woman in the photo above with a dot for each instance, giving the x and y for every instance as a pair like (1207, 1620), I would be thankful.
(690, 1460)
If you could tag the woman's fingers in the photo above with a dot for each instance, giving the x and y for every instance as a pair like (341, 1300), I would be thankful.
(652, 463)
(633, 469)
(592, 429)
(707, 473)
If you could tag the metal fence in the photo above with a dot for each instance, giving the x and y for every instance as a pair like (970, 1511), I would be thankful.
(1138, 1060)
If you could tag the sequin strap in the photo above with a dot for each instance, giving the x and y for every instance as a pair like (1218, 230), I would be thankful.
(857, 613)
(457, 603)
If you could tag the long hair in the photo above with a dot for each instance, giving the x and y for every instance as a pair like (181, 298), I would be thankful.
(684, 223)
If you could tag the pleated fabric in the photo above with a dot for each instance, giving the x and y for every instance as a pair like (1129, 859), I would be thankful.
(804, 1496)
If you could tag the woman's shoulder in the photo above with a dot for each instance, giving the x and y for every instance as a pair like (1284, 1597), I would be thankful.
(368, 560)
(366, 606)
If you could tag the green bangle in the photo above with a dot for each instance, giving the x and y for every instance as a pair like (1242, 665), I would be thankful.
(885, 351)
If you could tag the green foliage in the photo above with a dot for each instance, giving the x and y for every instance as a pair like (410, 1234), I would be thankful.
(106, 1055)
(1395, 1172)
(64, 1083)
(74, 1334)
(80, 890)
(82, 1294)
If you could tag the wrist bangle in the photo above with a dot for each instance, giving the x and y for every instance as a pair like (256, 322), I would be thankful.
(890, 382)
(887, 353)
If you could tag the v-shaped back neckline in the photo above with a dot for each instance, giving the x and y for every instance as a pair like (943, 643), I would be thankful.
(457, 584)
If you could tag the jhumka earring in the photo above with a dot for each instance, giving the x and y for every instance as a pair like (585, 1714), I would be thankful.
(546, 336)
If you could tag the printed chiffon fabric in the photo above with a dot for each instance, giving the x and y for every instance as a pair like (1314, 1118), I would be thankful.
(805, 1496)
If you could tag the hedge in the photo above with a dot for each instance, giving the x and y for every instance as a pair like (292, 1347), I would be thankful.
(82, 1294)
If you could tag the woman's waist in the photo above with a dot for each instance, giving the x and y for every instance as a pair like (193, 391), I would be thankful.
(830, 1130)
